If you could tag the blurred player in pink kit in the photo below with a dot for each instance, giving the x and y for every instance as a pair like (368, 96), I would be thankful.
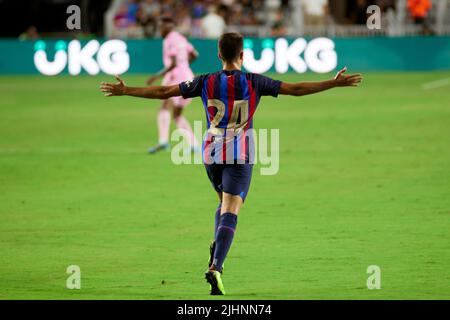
(178, 53)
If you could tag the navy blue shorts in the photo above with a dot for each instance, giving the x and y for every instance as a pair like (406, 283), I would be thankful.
(230, 178)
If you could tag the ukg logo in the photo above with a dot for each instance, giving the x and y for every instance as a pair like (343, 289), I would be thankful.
(111, 57)
(318, 55)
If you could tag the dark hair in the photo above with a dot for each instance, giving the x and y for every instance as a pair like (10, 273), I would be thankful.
(230, 46)
(167, 19)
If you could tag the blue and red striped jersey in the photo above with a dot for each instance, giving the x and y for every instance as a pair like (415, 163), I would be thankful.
(230, 99)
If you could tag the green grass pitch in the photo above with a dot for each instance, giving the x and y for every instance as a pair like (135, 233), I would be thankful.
(364, 180)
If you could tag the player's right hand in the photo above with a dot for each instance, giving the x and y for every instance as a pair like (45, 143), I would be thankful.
(113, 89)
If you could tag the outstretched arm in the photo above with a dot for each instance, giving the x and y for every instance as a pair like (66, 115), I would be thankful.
(152, 92)
(163, 72)
(305, 88)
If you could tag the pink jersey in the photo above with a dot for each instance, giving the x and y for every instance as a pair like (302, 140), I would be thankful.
(177, 46)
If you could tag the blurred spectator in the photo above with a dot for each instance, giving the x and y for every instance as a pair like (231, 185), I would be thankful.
(121, 18)
(147, 16)
(315, 12)
(132, 9)
(285, 4)
(196, 18)
(184, 21)
(151, 8)
(259, 12)
(224, 12)
(248, 12)
(235, 15)
(419, 9)
(198, 11)
(213, 25)
(129, 20)
(385, 5)
(227, 3)
(30, 34)
(279, 27)
(167, 7)
(359, 14)
(146, 22)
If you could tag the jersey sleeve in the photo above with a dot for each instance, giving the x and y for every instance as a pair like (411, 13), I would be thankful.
(266, 86)
(192, 88)
(170, 49)
(189, 47)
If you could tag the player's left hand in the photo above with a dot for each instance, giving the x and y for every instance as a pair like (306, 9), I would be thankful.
(151, 80)
(113, 89)
(343, 80)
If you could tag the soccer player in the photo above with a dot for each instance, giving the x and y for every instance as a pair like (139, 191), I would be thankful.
(230, 98)
(178, 54)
